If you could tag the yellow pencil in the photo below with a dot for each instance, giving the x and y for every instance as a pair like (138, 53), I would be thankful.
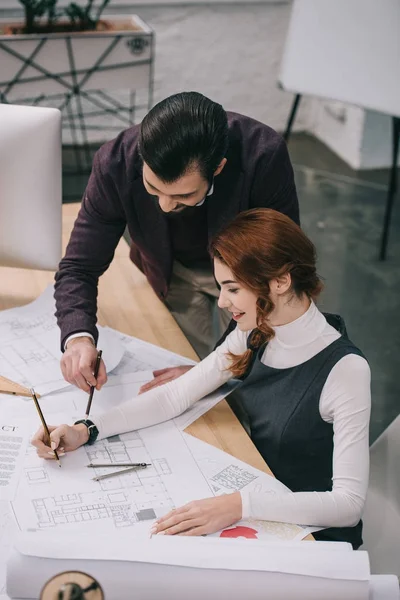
(34, 397)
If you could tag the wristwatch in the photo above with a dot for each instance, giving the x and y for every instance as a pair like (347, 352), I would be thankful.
(92, 430)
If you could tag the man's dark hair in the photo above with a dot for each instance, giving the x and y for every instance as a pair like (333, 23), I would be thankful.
(184, 131)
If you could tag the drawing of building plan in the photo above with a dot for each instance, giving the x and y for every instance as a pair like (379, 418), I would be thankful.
(30, 345)
(226, 474)
(182, 469)
(50, 498)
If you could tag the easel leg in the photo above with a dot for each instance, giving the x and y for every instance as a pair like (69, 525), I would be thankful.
(292, 117)
(392, 187)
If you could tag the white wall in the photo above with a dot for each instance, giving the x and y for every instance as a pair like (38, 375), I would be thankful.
(231, 54)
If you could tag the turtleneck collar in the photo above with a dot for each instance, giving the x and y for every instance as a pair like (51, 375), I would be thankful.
(302, 331)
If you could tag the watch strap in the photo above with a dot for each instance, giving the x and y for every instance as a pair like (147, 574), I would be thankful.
(92, 430)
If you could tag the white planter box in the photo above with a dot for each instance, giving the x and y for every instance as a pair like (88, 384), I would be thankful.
(73, 62)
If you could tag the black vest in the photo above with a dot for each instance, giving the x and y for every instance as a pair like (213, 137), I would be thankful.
(282, 406)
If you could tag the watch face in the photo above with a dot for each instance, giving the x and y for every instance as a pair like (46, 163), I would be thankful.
(72, 585)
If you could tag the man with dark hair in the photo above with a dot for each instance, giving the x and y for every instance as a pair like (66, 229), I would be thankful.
(174, 181)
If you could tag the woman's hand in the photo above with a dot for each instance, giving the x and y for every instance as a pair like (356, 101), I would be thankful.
(163, 376)
(201, 516)
(63, 438)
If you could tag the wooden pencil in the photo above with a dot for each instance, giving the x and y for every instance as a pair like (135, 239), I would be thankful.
(34, 397)
(92, 387)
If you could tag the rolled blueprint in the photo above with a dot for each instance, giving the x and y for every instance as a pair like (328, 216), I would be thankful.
(178, 568)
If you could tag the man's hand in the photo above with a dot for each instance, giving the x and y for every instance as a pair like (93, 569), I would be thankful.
(201, 516)
(62, 438)
(77, 364)
(163, 376)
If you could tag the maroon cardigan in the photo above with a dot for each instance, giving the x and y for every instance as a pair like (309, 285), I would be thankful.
(258, 173)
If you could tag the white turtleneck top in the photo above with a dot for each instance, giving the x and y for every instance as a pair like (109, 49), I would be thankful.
(345, 402)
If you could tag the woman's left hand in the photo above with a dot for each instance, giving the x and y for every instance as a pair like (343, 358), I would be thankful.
(201, 516)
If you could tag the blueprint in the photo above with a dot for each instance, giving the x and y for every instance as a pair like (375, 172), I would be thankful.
(30, 345)
(45, 498)
(182, 469)
(14, 439)
(226, 474)
(68, 499)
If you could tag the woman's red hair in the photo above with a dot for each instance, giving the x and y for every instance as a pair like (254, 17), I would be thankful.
(260, 245)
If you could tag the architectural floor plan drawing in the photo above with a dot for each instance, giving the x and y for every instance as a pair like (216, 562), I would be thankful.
(30, 345)
(232, 477)
(35, 475)
(50, 498)
(227, 474)
(119, 507)
(28, 354)
(182, 469)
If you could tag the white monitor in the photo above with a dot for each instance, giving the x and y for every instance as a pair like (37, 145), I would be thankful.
(30, 187)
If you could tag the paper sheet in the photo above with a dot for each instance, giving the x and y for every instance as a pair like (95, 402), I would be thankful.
(30, 345)
(199, 471)
(204, 405)
(50, 498)
(226, 474)
(384, 587)
(175, 568)
(14, 439)
(73, 401)
(142, 356)
(310, 559)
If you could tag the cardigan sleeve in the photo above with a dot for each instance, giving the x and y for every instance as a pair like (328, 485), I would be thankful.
(94, 238)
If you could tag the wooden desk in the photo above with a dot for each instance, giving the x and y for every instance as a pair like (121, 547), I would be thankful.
(127, 303)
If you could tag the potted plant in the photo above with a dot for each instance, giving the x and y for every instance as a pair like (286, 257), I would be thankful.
(55, 52)
(74, 59)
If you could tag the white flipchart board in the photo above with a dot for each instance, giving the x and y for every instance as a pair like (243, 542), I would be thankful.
(345, 50)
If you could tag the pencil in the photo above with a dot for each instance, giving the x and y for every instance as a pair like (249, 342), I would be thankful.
(92, 387)
(34, 397)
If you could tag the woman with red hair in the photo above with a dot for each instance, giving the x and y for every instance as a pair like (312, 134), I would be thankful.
(305, 389)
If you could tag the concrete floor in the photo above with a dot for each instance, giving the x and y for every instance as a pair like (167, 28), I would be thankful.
(342, 212)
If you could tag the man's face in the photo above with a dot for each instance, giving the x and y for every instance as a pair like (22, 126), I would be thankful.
(188, 190)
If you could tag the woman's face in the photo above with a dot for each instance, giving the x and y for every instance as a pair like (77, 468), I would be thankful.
(237, 299)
